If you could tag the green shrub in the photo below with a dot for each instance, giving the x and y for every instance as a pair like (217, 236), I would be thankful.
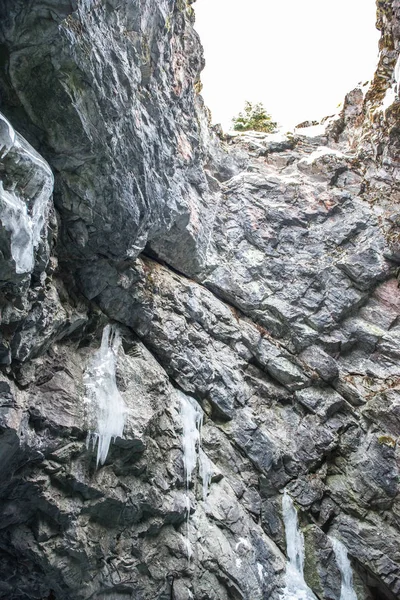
(254, 118)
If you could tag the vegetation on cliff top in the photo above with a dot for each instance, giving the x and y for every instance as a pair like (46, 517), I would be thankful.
(254, 118)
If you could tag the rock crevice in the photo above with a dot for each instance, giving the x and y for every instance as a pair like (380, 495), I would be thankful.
(255, 275)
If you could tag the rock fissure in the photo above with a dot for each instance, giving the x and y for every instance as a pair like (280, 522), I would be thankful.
(253, 274)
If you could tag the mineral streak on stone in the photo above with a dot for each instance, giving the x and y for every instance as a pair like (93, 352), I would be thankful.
(104, 404)
(257, 274)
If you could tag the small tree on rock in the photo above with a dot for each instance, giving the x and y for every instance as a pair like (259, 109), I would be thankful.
(254, 118)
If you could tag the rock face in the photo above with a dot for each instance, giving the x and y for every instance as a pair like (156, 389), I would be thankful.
(256, 276)
(111, 104)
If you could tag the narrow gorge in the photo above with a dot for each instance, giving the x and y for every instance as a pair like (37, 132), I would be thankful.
(199, 332)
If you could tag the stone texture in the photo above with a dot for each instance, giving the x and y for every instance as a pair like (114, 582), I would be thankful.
(256, 274)
(26, 188)
(126, 144)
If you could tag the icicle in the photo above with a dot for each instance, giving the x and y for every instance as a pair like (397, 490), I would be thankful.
(192, 420)
(296, 587)
(105, 403)
(347, 591)
(188, 547)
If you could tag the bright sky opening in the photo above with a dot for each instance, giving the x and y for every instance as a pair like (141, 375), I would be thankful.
(298, 57)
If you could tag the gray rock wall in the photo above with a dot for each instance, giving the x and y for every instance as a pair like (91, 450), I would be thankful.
(256, 275)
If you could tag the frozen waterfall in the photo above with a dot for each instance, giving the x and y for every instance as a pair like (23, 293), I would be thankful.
(192, 422)
(296, 587)
(24, 218)
(16, 220)
(347, 591)
(106, 408)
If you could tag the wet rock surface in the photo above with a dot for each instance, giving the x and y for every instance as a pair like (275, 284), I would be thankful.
(256, 276)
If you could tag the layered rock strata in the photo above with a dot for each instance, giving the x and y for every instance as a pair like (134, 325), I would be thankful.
(257, 276)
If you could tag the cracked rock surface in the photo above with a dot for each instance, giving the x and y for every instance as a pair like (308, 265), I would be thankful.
(255, 275)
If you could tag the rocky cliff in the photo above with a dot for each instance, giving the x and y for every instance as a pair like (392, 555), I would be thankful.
(252, 289)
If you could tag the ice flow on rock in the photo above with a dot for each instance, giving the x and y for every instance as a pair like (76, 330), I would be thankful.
(296, 587)
(347, 591)
(24, 214)
(106, 408)
(192, 422)
(15, 219)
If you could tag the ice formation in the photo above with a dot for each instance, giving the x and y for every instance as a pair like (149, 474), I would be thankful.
(347, 591)
(106, 408)
(7, 137)
(15, 219)
(25, 226)
(296, 587)
(192, 422)
(260, 570)
(40, 206)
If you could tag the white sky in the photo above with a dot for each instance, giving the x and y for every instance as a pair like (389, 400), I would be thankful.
(298, 57)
